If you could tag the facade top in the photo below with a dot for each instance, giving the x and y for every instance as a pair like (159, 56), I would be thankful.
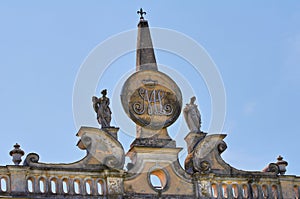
(153, 101)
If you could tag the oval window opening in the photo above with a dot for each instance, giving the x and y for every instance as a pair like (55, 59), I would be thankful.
(158, 179)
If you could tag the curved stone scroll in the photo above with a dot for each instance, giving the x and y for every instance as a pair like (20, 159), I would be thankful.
(272, 168)
(101, 147)
(104, 151)
(206, 155)
(31, 158)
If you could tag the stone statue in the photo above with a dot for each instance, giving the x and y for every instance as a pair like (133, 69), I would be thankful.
(101, 107)
(192, 116)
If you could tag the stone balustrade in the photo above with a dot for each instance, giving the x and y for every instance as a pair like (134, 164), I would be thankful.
(21, 180)
(65, 185)
(241, 191)
(243, 187)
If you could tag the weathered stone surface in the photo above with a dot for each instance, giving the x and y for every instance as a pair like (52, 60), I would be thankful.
(162, 162)
(205, 153)
(145, 57)
(192, 139)
(102, 147)
(103, 151)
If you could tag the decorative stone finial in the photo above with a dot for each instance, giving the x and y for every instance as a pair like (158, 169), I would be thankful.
(141, 12)
(192, 116)
(101, 107)
(279, 167)
(16, 154)
(145, 56)
(149, 97)
(281, 164)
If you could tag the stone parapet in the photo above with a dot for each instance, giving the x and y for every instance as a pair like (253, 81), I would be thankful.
(26, 182)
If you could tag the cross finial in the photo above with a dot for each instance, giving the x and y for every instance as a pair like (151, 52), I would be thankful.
(141, 12)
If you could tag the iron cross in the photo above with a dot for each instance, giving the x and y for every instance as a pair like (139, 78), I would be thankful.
(141, 12)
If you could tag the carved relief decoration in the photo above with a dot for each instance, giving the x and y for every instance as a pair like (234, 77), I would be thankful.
(114, 185)
(151, 99)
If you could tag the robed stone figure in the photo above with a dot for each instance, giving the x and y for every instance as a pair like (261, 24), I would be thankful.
(192, 116)
(101, 107)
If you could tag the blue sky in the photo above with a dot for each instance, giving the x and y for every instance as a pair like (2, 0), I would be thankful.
(255, 46)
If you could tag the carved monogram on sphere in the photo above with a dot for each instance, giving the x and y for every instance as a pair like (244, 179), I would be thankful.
(152, 103)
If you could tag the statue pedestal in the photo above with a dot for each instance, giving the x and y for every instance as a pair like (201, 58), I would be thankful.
(153, 138)
(192, 139)
(113, 131)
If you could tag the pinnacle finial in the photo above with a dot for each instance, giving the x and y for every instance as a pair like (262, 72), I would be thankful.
(141, 12)
(17, 154)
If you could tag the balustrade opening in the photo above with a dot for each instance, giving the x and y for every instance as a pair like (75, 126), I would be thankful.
(274, 192)
(265, 191)
(100, 187)
(214, 190)
(235, 191)
(3, 184)
(254, 191)
(65, 186)
(245, 191)
(77, 187)
(53, 184)
(30, 185)
(224, 191)
(42, 185)
(88, 185)
(296, 192)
